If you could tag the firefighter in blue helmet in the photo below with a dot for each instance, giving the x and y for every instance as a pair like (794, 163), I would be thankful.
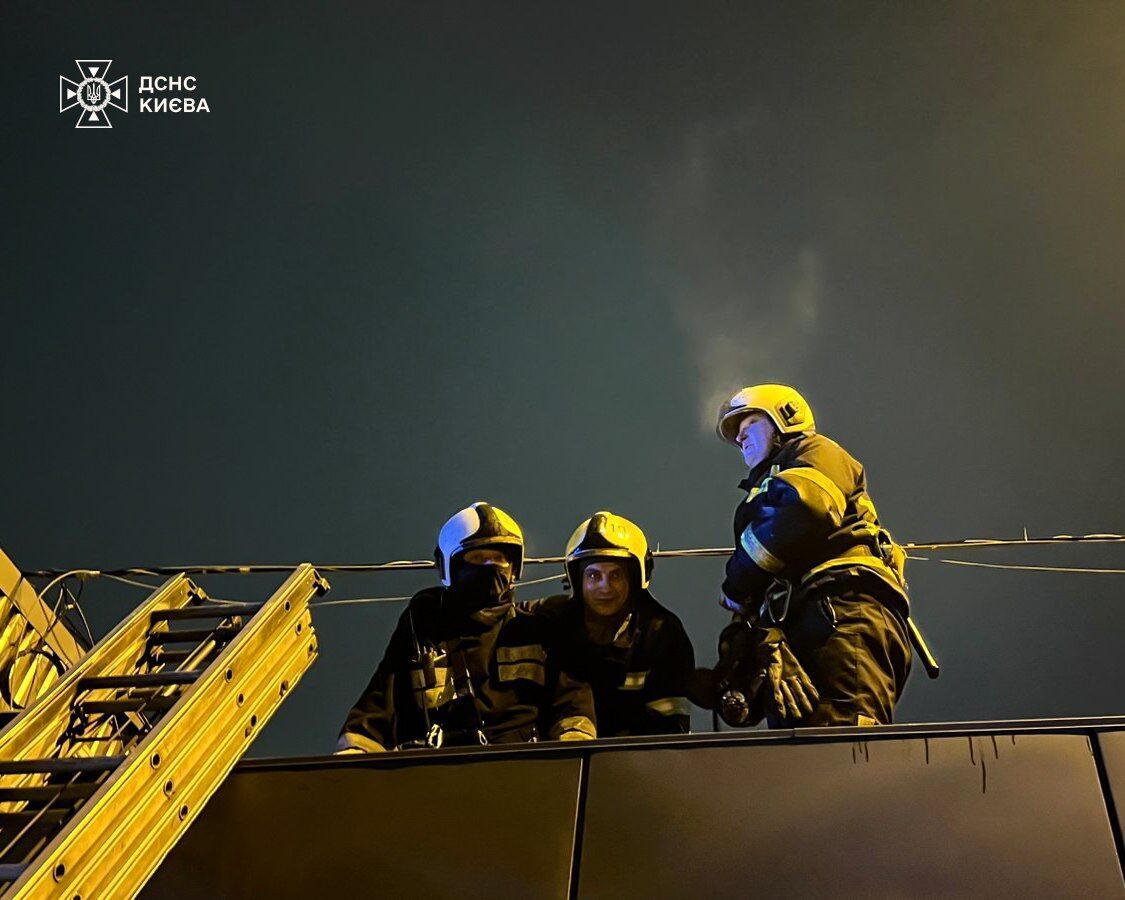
(614, 635)
(465, 665)
(820, 634)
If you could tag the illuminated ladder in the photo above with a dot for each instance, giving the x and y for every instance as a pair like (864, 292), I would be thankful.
(104, 773)
(36, 644)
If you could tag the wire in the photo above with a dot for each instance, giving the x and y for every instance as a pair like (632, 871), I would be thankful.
(685, 553)
(352, 601)
(77, 607)
(558, 577)
(349, 601)
(129, 581)
(416, 564)
(54, 620)
(1021, 568)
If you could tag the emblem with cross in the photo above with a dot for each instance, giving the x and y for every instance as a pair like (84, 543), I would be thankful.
(94, 93)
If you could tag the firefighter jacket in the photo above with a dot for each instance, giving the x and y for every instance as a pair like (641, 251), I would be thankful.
(807, 518)
(491, 672)
(640, 679)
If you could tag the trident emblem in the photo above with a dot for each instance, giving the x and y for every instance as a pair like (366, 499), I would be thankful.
(94, 94)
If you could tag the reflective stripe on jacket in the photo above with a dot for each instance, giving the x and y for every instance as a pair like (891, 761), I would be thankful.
(492, 670)
(640, 679)
(806, 514)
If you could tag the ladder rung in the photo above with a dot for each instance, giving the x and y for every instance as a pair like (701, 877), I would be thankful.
(195, 635)
(48, 793)
(41, 817)
(12, 871)
(146, 679)
(163, 655)
(65, 764)
(206, 611)
(128, 705)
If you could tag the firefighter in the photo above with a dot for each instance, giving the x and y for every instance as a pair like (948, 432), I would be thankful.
(465, 665)
(820, 635)
(614, 635)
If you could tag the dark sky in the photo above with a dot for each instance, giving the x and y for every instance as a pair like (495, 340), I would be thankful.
(423, 254)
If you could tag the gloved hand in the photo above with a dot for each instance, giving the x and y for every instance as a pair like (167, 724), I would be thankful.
(735, 682)
(788, 692)
(350, 742)
(732, 605)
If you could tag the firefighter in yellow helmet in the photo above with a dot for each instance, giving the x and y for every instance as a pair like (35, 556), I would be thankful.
(820, 635)
(614, 635)
(465, 665)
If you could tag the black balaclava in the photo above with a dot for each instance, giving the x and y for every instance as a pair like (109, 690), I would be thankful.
(474, 586)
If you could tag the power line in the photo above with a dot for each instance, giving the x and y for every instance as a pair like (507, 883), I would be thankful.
(419, 564)
(1024, 568)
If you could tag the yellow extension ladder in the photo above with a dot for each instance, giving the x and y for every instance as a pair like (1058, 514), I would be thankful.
(102, 774)
(36, 644)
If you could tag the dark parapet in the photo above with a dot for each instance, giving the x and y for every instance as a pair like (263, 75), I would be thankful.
(962, 810)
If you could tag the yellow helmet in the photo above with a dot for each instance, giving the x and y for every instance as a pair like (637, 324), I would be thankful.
(605, 535)
(786, 408)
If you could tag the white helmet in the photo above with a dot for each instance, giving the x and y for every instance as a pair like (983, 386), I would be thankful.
(787, 409)
(605, 535)
(479, 525)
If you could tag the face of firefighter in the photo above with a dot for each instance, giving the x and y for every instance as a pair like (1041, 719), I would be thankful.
(605, 587)
(483, 576)
(487, 556)
(755, 438)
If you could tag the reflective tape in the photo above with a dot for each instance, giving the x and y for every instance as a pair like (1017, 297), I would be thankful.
(760, 554)
(670, 706)
(516, 654)
(634, 681)
(531, 671)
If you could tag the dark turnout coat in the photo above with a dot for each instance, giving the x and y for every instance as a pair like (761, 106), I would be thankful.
(640, 679)
(808, 521)
(492, 672)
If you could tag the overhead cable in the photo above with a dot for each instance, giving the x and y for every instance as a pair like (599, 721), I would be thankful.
(415, 564)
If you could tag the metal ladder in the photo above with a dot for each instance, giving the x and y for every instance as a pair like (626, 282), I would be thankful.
(103, 773)
(36, 644)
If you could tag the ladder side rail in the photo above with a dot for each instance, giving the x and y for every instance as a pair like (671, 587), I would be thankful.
(121, 835)
(34, 733)
(37, 611)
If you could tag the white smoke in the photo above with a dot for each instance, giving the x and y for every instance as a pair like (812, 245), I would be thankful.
(748, 285)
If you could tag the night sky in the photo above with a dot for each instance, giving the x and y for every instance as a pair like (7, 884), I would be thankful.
(424, 254)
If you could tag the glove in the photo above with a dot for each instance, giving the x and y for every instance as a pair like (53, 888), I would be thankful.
(731, 605)
(350, 742)
(735, 682)
(787, 693)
